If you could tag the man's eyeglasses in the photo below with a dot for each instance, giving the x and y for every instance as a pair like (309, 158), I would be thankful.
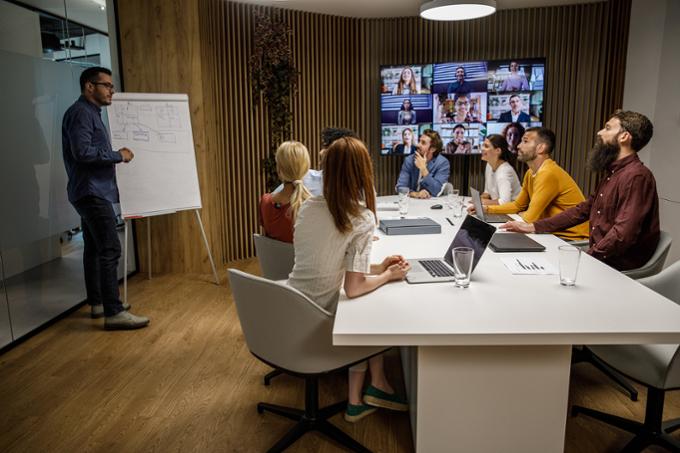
(107, 85)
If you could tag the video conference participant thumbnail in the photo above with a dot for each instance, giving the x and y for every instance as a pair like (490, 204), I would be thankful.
(460, 139)
(460, 78)
(459, 108)
(406, 110)
(406, 80)
(516, 75)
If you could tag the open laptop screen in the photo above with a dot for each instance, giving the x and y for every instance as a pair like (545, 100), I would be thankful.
(473, 233)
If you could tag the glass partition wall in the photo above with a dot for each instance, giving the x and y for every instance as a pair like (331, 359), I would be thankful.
(42, 55)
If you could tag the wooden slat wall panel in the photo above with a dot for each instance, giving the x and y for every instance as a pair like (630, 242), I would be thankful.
(339, 60)
(161, 52)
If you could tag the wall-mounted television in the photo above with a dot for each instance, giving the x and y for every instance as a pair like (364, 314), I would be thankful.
(463, 101)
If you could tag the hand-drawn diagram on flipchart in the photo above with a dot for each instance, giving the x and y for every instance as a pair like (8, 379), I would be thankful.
(153, 127)
(162, 177)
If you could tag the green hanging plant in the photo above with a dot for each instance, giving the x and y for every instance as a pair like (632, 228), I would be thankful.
(274, 80)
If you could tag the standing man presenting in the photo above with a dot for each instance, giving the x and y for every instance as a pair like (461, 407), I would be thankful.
(90, 164)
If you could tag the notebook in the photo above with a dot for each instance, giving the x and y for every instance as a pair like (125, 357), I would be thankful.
(479, 210)
(514, 242)
(472, 233)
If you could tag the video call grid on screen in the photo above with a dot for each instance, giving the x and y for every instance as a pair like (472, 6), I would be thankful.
(463, 101)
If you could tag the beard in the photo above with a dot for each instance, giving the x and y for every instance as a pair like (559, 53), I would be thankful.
(602, 155)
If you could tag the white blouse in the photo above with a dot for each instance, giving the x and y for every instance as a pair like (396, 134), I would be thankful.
(323, 254)
(503, 184)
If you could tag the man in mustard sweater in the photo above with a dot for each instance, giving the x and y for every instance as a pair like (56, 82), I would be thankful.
(547, 189)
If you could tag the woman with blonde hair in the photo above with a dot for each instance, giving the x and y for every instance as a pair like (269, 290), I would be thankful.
(333, 239)
(278, 211)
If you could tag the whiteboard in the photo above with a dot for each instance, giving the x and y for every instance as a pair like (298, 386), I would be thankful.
(162, 177)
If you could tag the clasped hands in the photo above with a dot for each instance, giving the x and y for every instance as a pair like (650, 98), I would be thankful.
(396, 266)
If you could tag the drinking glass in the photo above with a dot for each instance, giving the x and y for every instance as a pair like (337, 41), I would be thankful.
(452, 198)
(569, 257)
(463, 257)
(403, 200)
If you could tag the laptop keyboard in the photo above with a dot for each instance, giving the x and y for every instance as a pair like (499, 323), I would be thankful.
(436, 268)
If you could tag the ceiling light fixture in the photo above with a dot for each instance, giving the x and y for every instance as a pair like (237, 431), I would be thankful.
(457, 9)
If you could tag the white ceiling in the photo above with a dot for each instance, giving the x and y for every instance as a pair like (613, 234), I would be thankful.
(88, 12)
(85, 12)
(390, 8)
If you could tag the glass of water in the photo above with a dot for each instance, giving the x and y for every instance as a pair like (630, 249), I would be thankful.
(569, 258)
(463, 257)
(403, 200)
(452, 199)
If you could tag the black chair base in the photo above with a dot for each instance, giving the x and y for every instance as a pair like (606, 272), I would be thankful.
(651, 432)
(271, 375)
(586, 355)
(311, 419)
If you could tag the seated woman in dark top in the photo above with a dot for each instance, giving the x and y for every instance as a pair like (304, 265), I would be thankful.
(406, 114)
(278, 211)
(406, 146)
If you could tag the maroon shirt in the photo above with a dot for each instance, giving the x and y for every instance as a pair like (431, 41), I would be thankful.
(623, 214)
(275, 219)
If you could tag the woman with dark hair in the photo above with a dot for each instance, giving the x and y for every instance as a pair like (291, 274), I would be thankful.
(513, 133)
(406, 146)
(406, 114)
(407, 82)
(501, 183)
(333, 240)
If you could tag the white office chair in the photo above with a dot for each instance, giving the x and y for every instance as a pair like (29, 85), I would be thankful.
(447, 189)
(655, 366)
(654, 265)
(288, 331)
(651, 267)
(277, 259)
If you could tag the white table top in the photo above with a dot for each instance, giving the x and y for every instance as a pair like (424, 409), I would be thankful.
(498, 308)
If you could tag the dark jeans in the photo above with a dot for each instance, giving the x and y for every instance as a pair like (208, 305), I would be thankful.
(102, 252)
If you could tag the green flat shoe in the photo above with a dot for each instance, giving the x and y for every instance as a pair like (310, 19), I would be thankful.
(356, 412)
(378, 398)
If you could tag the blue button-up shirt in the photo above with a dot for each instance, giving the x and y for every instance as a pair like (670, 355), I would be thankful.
(88, 156)
(439, 171)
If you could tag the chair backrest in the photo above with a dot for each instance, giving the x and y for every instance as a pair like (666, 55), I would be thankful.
(447, 189)
(667, 283)
(276, 257)
(288, 330)
(655, 263)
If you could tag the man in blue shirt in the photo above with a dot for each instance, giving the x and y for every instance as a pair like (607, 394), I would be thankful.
(426, 171)
(90, 164)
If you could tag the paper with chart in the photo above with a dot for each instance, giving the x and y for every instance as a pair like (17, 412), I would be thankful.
(528, 265)
(162, 177)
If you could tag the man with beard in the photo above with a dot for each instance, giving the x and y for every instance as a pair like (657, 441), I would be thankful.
(426, 171)
(547, 190)
(90, 164)
(624, 209)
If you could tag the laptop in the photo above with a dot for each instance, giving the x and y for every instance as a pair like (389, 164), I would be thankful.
(479, 210)
(472, 233)
(514, 242)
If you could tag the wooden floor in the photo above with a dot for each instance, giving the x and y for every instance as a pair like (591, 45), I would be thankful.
(187, 383)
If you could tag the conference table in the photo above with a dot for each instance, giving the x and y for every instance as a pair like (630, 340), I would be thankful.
(487, 367)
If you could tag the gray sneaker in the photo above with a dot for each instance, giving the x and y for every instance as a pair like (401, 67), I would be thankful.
(125, 321)
(97, 311)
